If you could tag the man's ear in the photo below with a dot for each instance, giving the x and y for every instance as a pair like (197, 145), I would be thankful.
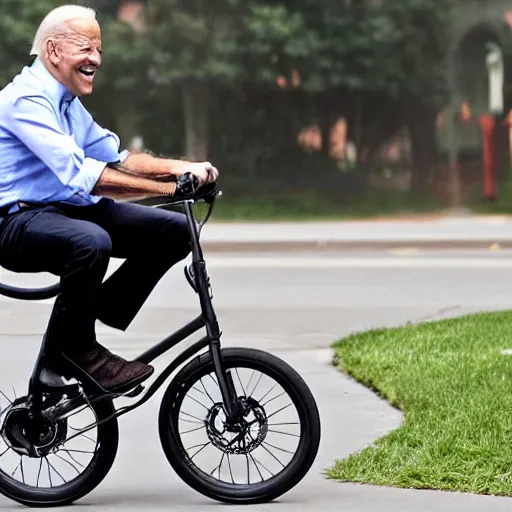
(53, 52)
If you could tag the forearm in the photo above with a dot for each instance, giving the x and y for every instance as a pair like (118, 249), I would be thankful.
(116, 194)
(145, 164)
(118, 183)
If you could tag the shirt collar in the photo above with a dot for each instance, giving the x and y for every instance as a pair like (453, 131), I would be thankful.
(54, 87)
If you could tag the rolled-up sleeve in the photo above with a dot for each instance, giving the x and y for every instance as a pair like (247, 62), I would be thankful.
(92, 170)
(32, 121)
(100, 144)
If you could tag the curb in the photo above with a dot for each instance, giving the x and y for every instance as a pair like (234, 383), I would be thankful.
(355, 245)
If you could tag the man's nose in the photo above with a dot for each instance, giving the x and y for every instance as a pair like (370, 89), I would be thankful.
(95, 59)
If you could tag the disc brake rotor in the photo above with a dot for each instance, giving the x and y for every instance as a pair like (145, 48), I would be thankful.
(243, 437)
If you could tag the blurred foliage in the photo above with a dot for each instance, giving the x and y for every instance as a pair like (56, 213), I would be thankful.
(18, 23)
(397, 47)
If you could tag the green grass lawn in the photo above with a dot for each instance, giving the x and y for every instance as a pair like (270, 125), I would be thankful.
(454, 385)
(309, 206)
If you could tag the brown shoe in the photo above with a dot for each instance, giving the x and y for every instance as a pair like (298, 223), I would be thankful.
(106, 370)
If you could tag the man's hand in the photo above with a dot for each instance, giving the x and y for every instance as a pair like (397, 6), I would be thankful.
(205, 172)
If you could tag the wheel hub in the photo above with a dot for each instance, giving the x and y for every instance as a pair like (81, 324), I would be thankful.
(28, 436)
(247, 434)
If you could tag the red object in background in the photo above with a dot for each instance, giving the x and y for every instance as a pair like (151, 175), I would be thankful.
(487, 123)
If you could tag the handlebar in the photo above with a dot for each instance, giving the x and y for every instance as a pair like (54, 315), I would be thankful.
(187, 188)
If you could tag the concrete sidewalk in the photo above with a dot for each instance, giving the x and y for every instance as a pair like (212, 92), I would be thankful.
(454, 232)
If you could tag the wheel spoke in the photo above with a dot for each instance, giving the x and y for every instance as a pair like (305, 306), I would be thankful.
(206, 391)
(211, 377)
(77, 451)
(239, 380)
(256, 462)
(39, 472)
(250, 380)
(6, 397)
(21, 468)
(201, 391)
(267, 393)
(219, 466)
(277, 448)
(283, 433)
(67, 461)
(50, 465)
(73, 459)
(230, 470)
(272, 399)
(256, 385)
(193, 430)
(256, 466)
(197, 401)
(278, 411)
(200, 449)
(49, 472)
(191, 416)
(193, 422)
(3, 453)
(265, 448)
(84, 435)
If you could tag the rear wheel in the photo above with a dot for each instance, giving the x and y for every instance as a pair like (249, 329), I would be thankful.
(68, 464)
(257, 460)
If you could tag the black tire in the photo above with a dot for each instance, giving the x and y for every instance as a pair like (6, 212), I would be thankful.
(83, 484)
(204, 483)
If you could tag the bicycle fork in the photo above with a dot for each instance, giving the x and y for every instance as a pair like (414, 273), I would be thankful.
(203, 289)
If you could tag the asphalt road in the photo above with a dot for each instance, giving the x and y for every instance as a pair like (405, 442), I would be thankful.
(293, 305)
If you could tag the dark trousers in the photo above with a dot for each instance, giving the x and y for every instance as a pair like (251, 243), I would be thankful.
(76, 244)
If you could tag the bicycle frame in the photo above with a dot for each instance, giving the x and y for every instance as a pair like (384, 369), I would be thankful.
(207, 319)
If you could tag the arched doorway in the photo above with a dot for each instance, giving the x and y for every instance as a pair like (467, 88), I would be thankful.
(481, 148)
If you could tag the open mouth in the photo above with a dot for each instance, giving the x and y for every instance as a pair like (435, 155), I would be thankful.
(88, 72)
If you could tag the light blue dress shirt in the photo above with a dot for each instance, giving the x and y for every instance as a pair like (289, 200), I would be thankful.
(51, 149)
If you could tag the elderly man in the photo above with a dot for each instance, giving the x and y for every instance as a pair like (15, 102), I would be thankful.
(59, 172)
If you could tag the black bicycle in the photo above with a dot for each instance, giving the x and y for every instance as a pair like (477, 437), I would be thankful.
(237, 425)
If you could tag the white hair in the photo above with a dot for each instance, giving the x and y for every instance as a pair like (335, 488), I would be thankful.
(56, 23)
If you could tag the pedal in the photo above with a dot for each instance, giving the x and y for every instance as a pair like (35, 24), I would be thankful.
(52, 382)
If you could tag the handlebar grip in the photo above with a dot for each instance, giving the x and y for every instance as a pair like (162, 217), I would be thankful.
(186, 185)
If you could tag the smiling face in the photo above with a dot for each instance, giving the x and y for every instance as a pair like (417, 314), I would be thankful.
(75, 58)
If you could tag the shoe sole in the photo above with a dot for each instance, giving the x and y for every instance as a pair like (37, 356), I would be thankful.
(91, 385)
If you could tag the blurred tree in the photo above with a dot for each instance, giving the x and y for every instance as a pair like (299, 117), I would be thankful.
(190, 47)
(378, 63)
(202, 45)
(123, 85)
(18, 24)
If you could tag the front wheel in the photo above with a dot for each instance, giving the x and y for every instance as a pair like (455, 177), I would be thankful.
(260, 458)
